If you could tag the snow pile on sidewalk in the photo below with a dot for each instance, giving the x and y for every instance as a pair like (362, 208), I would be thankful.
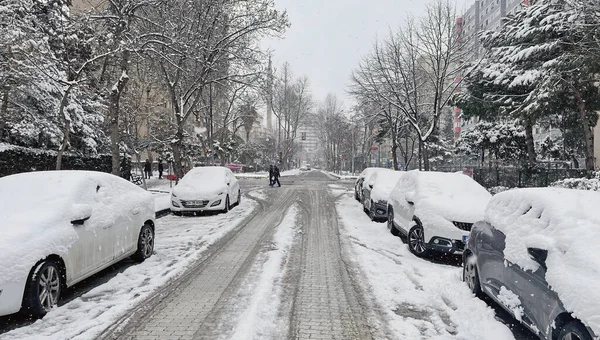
(343, 176)
(180, 241)
(260, 318)
(419, 299)
(592, 184)
(565, 222)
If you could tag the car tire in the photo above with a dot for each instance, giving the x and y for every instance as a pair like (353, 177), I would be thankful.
(391, 225)
(38, 299)
(573, 330)
(145, 246)
(372, 213)
(356, 196)
(471, 275)
(416, 242)
(239, 200)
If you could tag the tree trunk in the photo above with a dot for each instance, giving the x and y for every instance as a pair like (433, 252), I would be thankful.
(529, 142)
(176, 146)
(66, 128)
(4, 111)
(588, 133)
(113, 112)
(420, 154)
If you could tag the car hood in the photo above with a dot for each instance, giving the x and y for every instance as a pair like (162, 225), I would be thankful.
(456, 208)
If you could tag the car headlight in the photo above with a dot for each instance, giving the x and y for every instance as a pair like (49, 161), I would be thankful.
(216, 203)
(175, 204)
(173, 194)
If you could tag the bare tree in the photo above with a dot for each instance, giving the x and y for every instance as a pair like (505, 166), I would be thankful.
(413, 71)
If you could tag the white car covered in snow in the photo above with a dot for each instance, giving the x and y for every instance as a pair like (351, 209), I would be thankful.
(358, 184)
(60, 227)
(435, 210)
(210, 188)
(376, 191)
(535, 255)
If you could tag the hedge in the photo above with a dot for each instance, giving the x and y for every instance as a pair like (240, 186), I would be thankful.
(16, 159)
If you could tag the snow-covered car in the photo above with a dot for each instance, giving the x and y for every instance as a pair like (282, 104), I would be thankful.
(358, 185)
(535, 255)
(208, 188)
(376, 191)
(435, 210)
(60, 227)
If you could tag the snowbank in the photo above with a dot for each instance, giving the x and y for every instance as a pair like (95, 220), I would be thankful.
(418, 299)
(564, 222)
(592, 184)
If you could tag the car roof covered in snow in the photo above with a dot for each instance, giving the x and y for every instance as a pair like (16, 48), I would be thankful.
(566, 223)
(383, 183)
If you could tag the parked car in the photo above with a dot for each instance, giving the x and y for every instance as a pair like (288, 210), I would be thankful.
(358, 185)
(60, 227)
(435, 211)
(376, 190)
(534, 254)
(210, 188)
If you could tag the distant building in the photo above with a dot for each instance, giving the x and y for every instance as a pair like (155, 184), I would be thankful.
(307, 138)
(482, 15)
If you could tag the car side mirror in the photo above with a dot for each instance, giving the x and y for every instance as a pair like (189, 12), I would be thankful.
(538, 255)
(370, 186)
(80, 213)
(410, 198)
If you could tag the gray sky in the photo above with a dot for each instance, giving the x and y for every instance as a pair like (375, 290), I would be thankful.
(328, 38)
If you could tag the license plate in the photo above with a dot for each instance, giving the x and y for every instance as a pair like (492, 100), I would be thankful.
(194, 202)
(465, 238)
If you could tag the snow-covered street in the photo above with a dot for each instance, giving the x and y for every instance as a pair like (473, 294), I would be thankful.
(298, 262)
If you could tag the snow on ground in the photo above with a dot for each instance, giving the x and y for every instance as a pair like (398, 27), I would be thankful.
(260, 318)
(258, 194)
(179, 242)
(418, 298)
(344, 175)
(265, 174)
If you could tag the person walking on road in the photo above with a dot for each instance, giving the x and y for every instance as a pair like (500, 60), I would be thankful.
(160, 168)
(276, 176)
(271, 175)
(148, 169)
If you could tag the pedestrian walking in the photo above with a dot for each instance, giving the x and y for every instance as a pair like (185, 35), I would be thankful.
(271, 175)
(148, 169)
(276, 176)
(160, 169)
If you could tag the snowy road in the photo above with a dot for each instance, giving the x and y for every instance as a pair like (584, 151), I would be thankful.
(297, 262)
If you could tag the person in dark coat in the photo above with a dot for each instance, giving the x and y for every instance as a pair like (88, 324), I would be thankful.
(160, 168)
(271, 175)
(148, 168)
(276, 176)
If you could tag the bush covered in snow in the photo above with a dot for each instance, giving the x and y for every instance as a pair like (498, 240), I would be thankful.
(580, 183)
(16, 159)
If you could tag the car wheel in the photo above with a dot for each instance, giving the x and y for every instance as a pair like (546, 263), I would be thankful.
(416, 241)
(372, 212)
(471, 275)
(391, 225)
(145, 246)
(356, 196)
(42, 291)
(574, 330)
(239, 200)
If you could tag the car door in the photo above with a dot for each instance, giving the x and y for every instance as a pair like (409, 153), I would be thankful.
(490, 243)
(537, 299)
(95, 236)
(128, 215)
(403, 211)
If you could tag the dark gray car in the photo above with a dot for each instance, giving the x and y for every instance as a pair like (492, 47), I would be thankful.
(486, 271)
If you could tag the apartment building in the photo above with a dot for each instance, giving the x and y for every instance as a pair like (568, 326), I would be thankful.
(482, 15)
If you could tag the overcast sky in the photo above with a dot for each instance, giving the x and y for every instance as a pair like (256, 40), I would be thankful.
(328, 38)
